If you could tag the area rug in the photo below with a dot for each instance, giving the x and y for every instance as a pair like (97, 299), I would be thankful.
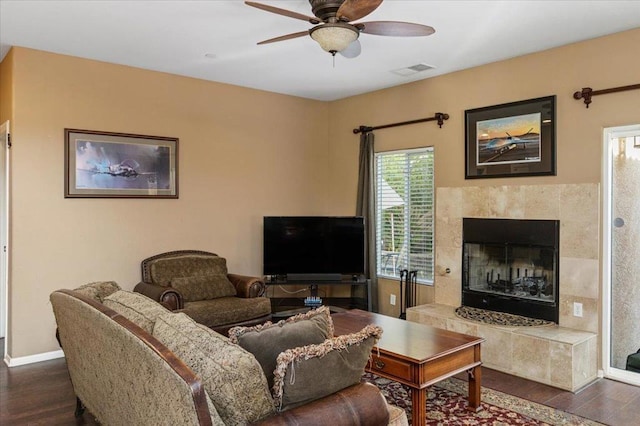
(447, 405)
(498, 318)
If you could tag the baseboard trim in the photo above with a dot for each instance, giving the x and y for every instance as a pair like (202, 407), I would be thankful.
(31, 359)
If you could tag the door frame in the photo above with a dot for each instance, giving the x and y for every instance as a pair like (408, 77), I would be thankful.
(4, 234)
(607, 219)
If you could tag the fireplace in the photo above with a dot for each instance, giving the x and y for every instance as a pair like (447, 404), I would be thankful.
(511, 266)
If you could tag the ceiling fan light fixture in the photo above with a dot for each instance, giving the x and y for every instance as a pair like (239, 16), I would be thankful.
(334, 37)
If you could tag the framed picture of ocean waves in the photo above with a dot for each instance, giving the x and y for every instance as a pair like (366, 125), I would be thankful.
(513, 139)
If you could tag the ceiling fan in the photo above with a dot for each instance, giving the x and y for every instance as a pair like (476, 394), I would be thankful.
(334, 30)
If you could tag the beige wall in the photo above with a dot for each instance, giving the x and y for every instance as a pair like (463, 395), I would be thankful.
(246, 153)
(600, 63)
(6, 87)
(242, 154)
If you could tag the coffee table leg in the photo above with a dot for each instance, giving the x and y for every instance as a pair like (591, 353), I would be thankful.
(475, 378)
(419, 406)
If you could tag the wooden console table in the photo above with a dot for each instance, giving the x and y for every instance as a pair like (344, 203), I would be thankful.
(417, 355)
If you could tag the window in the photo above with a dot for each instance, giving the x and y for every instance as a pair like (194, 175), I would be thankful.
(404, 213)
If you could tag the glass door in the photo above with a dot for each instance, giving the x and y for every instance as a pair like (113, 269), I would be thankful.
(621, 188)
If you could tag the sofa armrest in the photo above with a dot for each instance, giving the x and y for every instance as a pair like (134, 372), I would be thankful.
(169, 297)
(361, 404)
(247, 286)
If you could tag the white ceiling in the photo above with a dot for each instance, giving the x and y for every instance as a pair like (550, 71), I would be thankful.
(175, 36)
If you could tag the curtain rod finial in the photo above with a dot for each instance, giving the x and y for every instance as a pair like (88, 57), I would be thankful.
(441, 117)
(584, 94)
(362, 129)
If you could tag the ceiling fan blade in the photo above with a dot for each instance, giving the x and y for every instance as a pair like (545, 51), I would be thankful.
(351, 10)
(353, 50)
(283, 12)
(285, 37)
(395, 29)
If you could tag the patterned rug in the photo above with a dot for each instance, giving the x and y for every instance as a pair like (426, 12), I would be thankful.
(447, 405)
(498, 318)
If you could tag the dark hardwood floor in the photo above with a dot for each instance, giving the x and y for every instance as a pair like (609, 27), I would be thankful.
(605, 401)
(38, 394)
(41, 394)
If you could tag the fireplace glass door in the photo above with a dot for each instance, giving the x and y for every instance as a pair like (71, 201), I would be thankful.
(511, 265)
(525, 272)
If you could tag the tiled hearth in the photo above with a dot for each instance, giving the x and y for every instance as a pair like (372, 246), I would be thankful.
(553, 355)
(577, 207)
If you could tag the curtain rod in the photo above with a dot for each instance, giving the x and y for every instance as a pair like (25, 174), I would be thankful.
(588, 92)
(438, 116)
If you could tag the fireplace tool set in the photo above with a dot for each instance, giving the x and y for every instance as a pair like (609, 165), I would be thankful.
(408, 285)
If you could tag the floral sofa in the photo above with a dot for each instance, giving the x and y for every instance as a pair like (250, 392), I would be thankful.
(132, 361)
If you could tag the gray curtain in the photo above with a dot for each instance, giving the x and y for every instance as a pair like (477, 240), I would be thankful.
(366, 207)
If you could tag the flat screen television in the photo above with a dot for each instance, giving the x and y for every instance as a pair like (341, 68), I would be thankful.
(313, 246)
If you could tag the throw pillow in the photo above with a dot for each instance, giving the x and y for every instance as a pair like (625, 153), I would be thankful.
(163, 270)
(267, 340)
(98, 290)
(231, 376)
(311, 372)
(136, 307)
(206, 287)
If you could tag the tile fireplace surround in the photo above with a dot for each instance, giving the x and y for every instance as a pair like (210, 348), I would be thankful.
(564, 356)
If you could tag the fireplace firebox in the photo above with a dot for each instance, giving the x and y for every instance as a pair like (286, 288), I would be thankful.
(511, 265)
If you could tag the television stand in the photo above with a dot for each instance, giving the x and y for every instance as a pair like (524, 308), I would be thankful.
(331, 293)
(313, 277)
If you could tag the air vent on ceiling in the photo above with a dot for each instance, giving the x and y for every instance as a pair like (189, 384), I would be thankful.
(414, 69)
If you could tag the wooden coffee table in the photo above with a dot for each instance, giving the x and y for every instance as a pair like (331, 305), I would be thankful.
(417, 355)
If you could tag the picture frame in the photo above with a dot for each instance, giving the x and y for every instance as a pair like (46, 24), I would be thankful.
(511, 140)
(119, 165)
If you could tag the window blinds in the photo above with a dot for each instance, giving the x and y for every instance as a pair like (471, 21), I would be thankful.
(404, 213)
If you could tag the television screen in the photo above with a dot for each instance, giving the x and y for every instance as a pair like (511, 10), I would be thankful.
(313, 245)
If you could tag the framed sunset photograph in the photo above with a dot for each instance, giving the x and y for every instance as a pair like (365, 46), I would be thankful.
(514, 139)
